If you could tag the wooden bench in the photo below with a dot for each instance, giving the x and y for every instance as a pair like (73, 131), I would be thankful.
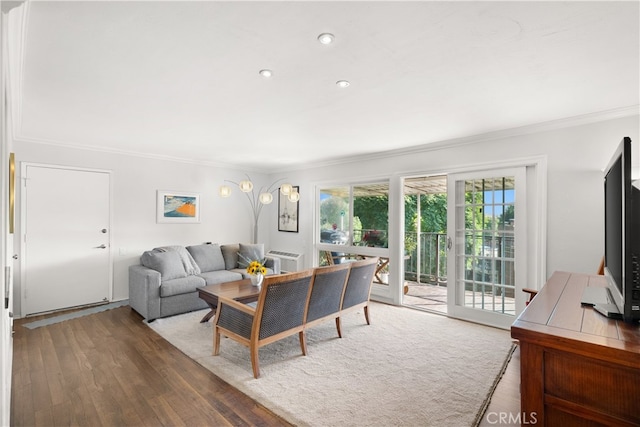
(291, 303)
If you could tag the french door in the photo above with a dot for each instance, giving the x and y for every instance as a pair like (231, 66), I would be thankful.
(486, 241)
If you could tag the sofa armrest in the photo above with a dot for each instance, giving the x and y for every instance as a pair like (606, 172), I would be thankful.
(144, 291)
(273, 263)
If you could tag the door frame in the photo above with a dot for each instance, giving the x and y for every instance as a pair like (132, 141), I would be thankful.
(23, 222)
(536, 173)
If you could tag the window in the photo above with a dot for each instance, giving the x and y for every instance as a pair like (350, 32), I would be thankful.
(335, 218)
(355, 215)
(371, 215)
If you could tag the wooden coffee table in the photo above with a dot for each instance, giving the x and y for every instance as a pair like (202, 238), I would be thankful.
(239, 290)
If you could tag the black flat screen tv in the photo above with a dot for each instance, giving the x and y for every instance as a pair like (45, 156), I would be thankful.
(622, 233)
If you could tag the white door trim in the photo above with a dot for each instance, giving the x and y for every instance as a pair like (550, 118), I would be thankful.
(23, 218)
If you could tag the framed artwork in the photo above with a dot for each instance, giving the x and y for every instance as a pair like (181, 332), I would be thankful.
(178, 207)
(288, 213)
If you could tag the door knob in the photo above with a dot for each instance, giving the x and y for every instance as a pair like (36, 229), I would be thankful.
(101, 247)
(104, 230)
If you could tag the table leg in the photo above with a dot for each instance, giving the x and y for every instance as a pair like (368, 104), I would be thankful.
(209, 315)
(213, 305)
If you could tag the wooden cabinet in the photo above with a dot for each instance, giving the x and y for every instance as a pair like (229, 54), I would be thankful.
(577, 367)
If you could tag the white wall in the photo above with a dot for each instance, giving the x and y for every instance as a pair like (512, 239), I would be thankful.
(576, 157)
(135, 181)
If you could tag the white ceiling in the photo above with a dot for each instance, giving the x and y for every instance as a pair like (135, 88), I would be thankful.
(180, 79)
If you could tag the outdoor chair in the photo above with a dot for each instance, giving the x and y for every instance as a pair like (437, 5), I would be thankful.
(358, 288)
(279, 313)
(326, 294)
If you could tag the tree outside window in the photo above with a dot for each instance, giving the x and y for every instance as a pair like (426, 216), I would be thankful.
(366, 225)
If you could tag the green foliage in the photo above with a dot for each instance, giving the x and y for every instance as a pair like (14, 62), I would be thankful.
(369, 213)
(373, 211)
(433, 213)
(507, 216)
(331, 210)
(373, 214)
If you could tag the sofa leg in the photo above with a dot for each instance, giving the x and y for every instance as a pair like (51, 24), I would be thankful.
(366, 314)
(338, 327)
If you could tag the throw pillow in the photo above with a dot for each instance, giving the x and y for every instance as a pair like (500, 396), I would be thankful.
(189, 264)
(230, 255)
(208, 257)
(168, 264)
(250, 252)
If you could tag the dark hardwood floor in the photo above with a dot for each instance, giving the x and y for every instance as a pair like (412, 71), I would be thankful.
(110, 369)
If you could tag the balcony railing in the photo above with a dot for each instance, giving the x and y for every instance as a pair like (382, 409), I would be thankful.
(427, 262)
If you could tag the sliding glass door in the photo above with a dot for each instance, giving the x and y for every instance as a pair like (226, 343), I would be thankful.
(486, 241)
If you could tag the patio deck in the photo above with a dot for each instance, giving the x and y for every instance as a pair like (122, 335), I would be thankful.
(434, 298)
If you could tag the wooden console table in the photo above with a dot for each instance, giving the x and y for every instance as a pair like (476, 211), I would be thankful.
(577, 367)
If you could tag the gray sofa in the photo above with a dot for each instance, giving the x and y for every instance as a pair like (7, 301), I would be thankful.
(166, 281)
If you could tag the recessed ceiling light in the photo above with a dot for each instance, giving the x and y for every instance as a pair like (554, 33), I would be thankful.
(266, 73)
(326, 38)
(343, 83)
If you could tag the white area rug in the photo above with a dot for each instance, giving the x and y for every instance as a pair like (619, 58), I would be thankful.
(408, 368)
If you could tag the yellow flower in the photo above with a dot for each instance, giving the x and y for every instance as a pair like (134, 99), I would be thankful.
(255, 267)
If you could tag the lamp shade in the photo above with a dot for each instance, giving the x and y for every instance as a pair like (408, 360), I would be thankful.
(266, 198)
(246, 186)
(286, 189)
(225, 191)
(294, 196)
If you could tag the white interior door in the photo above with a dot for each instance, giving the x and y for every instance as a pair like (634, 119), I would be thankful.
(66, 237)
(487, 228)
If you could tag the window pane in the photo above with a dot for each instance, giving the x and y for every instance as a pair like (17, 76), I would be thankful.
(371, 215)
(334, 215)
(489, 242)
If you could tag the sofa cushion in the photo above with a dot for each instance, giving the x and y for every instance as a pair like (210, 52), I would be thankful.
(183, 285)
(230, 255)
(168, 264)
(250, 252)
(220, 276)
(208, 257)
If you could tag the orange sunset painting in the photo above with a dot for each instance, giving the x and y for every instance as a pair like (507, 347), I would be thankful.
(179, 206)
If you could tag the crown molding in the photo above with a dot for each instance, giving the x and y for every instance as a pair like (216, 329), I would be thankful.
(535, 128)
(428, 147)
(14, 46)
(6, 6)
(151, 156)
(568, 122)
